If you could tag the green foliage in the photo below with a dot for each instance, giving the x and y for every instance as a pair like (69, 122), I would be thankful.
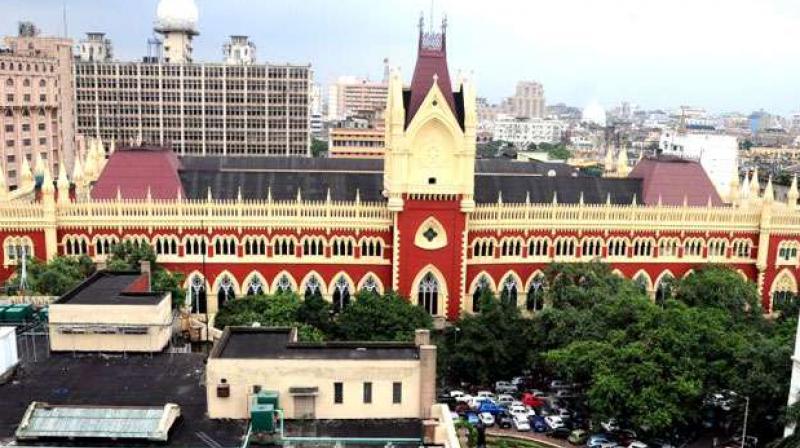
(55, 277)
(555, 151)
(279, 310)
(127, 256)
(719, 287)
(318, 313)
(583, 285)
(487, 346)
(388, 317)
(164, 280)
(318, 147)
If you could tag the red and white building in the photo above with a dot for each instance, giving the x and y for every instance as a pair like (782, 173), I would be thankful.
(429, 220)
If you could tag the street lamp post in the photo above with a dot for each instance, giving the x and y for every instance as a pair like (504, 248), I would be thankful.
(744, 426)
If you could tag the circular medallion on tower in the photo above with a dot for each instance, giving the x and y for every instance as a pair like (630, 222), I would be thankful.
(176, 15)
(430, 235)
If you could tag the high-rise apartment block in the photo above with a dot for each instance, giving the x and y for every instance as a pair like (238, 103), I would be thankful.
(197, 109)
(235, 108)
(36, 102)
(528, 100)
(351, 96)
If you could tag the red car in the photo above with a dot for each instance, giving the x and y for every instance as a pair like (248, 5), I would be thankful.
(528, 399)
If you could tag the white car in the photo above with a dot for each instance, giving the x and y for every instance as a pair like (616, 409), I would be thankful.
(466, 398)
(558, 384)
(554, 421)
(505, 399)
(637, 444)
(456, 393)
(563, 413)
(486, 394)
(521, 423)
(486, 418)
(518, 410)
(518, 380)
(475, 402)
(504, 387)
(609, 425)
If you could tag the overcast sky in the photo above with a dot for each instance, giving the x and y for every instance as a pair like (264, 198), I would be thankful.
(724, 55)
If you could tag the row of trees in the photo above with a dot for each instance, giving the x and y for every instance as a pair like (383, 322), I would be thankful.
(649, 365)
(371, 316)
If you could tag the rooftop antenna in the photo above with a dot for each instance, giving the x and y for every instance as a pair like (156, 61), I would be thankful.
(23, 273)
(430, 20)
(64, 17)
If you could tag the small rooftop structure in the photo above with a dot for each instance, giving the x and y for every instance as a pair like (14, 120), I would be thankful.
(113, 288)
(45, 421)
(281, 343)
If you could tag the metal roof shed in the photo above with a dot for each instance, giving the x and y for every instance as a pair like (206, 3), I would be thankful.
(42, 421)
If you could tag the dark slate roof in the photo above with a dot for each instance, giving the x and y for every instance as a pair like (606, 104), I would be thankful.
(533, 167)
(276, 343)
(674, 179)
(595, 190)
(134, 170)
(112, 288)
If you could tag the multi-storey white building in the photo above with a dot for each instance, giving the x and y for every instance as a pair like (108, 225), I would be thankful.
(521, 131)
(196, 108)
(239, 50)
(95, 48)
(718, 154)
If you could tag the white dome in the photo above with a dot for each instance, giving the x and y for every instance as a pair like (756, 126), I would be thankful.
(594, 113)
(176, 15)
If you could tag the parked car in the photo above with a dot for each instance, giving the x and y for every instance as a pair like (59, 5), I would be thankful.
(490, 407)
(505, 399)
(578, 437)
(558, 384)
(518, 381)
(565, 393)
(518, 410)
(456, 393)
(504, 387)
(486, 394)
(471, 418)
(464, 398)
(600, 439)
(521, 423)
(625, 436)
(475, 402)
(559, 433)
(554, 421)
(504, 420)
(531, 400)
(537, 423)
(486, 418)
(609, 425)
(637, 444)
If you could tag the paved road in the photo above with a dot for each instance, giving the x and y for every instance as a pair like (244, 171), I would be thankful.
(535, 436)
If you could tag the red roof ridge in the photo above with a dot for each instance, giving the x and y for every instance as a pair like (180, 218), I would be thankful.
(431, 67)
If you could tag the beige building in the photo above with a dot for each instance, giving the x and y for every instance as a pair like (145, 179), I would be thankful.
(112, 312)
(36, 102)
(528, 100)
(333, 380)
(356, 143)
(355, 96)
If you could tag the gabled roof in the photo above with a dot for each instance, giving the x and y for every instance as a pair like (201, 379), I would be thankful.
(673, 179)
(133, 170)
(431, 64)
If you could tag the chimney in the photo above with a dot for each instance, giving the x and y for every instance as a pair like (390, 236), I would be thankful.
(422, 337)
(144, 268)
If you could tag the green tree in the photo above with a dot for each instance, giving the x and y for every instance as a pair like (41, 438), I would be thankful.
(279, 310)
(317, 312)
(128, 255)
(55, 277)
(387, 317)
(318, 147)
(719, 287)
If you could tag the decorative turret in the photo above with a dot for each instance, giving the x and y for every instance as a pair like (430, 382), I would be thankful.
(608, 164)
(792, 195)
(622, 163)
(733, 191)
(26, 176)
(38, 165)
(47, 186)
(755, 185)
(63, 184)
(769, 193)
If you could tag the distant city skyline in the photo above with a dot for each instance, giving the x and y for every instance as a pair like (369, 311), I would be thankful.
(735, 56)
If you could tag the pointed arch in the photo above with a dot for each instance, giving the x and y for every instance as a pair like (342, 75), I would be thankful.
(783, 289)
(534, 291)
(254, 279)
(442, 293)
(321, 285)
(505, 287)
(197, 287)
(281, 280)
(688, 273)
(643, 280)
(618, 273)
(342, 290)
(480, 281)
(663, 286)
(377, 282)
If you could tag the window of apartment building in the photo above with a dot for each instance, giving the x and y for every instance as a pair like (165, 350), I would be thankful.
(26, 142)
(397, 393)
(43, 155)
(10, 143)
(43, 98)
(9, 128)
(41, 126)
(26, 98)
(338, 393)
(367, 392)
(10, 97)
(11, 159)
(43, 140)
(12, 173)
(26, 127)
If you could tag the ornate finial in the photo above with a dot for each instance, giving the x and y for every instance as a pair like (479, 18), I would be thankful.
(769, 193)
(527, 197)
(421, 23)
(499, 196)
(119, 193)
(555, 197)
(685, 201)
(47, 181)
(608, 198)
(269, 193)
(149, 195)
(179, 195)
(299, 195)
(792, 194)
(444, 23)
(580, 199)
(659, 200)
(358, 195)
(633, 202)
(208, 196)
(239, 193)
(328, 195)
(709, 203)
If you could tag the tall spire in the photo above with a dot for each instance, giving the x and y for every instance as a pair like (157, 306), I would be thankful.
(792, 194)
(431, 60)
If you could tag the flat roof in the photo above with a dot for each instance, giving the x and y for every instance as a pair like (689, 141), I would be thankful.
(110, 381)
(43, 420)
(112, 288)
(276, 343)
(403, 428)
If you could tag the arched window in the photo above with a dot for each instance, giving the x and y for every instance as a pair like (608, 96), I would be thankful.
(225, 291)
(481, 288)
(428, 294)
(341, 294)
(508, 295)
(10, 82)
(255, 287)
(534, 300)
(537, 247)
(284, 285)
(313, 288)
(42, 83)
(197, 295)
(26, 82)
(370, 285)
(642, 282)
(664, 289)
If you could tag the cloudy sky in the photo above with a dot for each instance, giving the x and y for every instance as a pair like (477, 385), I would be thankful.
(724, 55)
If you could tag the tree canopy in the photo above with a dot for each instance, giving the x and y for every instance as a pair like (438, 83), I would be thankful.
(55, 277)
